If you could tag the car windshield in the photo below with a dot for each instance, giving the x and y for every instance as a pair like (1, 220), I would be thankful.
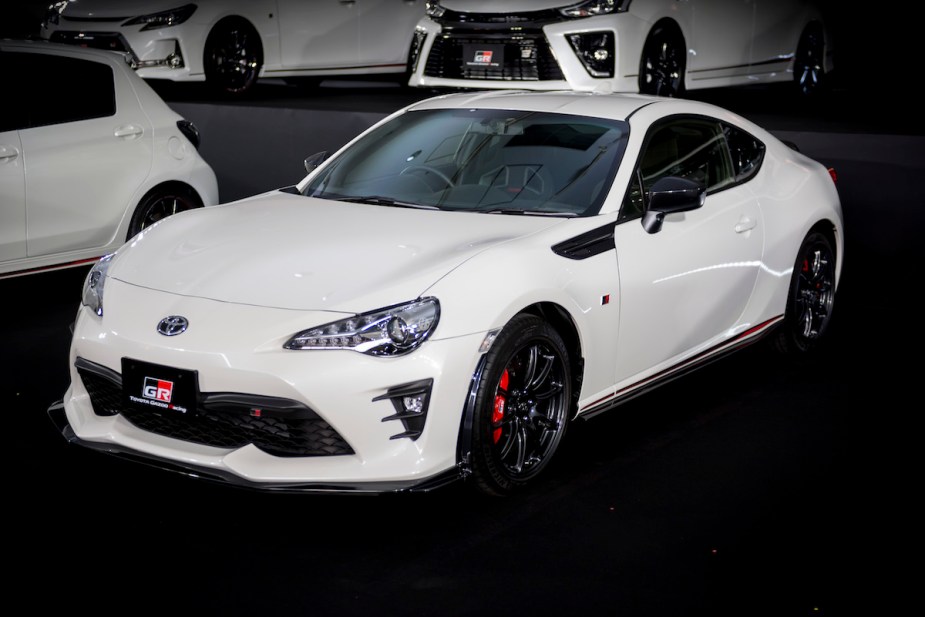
(484, 160)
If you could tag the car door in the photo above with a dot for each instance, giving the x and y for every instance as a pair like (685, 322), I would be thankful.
(12, 174)
(721, 39)
(87, 150)
(684, 288)
(386, 29)
(777, 29)
(320, 34)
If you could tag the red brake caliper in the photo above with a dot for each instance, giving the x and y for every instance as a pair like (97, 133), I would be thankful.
(498, 412)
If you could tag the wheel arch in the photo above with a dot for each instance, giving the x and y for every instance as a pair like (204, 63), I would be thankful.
(166, 185)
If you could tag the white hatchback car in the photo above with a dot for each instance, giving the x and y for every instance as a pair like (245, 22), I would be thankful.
(231, 43)
(658, 47)
(89, 156)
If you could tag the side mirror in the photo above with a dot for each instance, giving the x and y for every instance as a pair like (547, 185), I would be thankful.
(669, 195)
(312, 162)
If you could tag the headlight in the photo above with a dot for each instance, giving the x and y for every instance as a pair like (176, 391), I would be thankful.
(164, 19)
(589, 8)
(93, 285)
(433, 9)
(387, 332)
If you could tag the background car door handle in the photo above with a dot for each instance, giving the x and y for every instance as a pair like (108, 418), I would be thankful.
(745, 224)
(129, 131)
(8, 153)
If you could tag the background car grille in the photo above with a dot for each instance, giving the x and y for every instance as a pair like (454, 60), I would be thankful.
(526, 57)
(112, 41)
(283, 428)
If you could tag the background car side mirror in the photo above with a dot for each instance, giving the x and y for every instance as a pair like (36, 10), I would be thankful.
(669, 195)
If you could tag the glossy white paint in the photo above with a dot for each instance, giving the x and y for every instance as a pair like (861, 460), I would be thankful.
(250, 274)
(728, 43)
(322, 37)
(70, 192)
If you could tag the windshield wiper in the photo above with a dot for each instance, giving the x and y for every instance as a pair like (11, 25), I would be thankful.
(380, 200)
(529, 212)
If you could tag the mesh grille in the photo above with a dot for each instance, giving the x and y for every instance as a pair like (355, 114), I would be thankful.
(224, 424)
(527, 58)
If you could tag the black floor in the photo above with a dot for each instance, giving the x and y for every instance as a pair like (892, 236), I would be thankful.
(753, 487)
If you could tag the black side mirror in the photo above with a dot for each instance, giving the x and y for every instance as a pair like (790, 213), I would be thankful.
(669, 195)
(312, 162)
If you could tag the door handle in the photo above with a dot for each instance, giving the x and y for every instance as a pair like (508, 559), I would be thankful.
(129, 131)
(745, 224)
(8, 153)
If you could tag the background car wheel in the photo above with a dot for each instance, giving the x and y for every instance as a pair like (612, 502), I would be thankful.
(809, 62)
(661, 69)
(160, 203)
(522, 405)
(811, 297)
(233, 56)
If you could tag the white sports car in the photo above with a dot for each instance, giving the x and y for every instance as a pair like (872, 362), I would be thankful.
(446, 293)
(232, 43)
(89, 156)
(651, 46)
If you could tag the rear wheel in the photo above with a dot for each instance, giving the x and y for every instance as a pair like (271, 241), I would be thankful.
(661, 69)
(233, 56)
(809, 61)
(161, 202)
(522, 405)
(811, 297)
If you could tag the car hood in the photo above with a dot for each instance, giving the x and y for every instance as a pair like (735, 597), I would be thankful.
(107, 9)
(511, 6)
(294, 252)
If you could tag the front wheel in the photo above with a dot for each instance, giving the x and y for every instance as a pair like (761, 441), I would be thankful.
(661, 68)
(233, 57)
(811, 297)
(160, 203)
(522, 405)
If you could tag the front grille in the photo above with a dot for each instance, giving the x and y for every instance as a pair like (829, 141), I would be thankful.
(112, 41)
(277, 426)
(455, 19)
(526, 58)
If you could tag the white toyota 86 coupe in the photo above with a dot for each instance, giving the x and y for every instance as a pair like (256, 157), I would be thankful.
(439, 299)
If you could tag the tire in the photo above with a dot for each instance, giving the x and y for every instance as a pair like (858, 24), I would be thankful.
(232, 57)
(811, 297)
(161, 202)
(809, 62)
(522, 406)
(663, 62)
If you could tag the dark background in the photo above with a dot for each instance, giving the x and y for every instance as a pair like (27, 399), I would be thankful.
(754, 487)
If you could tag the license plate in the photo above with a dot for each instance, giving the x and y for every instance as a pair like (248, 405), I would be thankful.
(155, 387)
(483, 56)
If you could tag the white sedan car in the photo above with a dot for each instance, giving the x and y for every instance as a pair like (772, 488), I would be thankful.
(446, 293)
(89, 156)
(659, 47)
(232, 43)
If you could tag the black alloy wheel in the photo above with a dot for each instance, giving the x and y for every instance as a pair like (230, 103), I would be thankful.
(522, 405)
(809, 62)
(661, 69)
(811, 297)
(233, 57)
(161, 202)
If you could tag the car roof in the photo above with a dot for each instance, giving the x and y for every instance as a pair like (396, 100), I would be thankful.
(618, 106)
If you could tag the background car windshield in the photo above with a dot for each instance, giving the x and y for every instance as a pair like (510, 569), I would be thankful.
(481, 160)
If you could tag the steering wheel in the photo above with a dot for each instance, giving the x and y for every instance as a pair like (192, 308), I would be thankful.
(427, 169)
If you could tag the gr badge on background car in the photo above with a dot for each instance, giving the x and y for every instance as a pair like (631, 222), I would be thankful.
(232, 43)
(89, 156)
(443, 296)
(659, 47)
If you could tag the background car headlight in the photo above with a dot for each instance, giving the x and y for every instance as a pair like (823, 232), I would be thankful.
(387, 332)
(433, 9)
(164, 19)
(93, 285)
(589, 8)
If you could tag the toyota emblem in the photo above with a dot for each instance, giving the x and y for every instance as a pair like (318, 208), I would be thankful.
(173, 325)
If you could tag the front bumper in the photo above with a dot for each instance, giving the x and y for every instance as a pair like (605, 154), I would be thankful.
(349, 391)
